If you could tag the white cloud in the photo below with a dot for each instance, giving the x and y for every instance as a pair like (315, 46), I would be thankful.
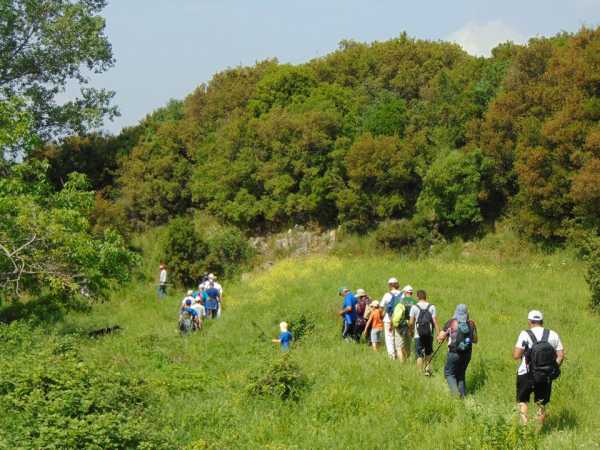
(480, 38)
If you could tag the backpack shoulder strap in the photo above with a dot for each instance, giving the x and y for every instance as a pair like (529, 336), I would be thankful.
(429, 307)
(545, 335)
(532, 336)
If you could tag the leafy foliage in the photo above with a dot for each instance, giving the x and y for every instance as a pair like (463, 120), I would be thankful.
(51, 398)
(283, 380)
(185, 251)
(593, 276)
(47, 44)
(47, 250)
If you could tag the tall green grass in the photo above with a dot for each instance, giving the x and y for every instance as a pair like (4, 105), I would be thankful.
(355, 398)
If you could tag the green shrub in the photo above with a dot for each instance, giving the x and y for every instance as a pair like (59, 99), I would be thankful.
(593, 277)
(51, 398)
(396, 234)
(301, 326)
(228, 252)
(283, 380)
(451, 190)
(185, 251)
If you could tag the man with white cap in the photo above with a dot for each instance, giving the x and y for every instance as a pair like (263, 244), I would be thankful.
(395, 342)
(211, 283)
(540, 352)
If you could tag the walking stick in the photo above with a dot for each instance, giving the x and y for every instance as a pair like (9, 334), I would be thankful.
(434, 353)
(262, 333)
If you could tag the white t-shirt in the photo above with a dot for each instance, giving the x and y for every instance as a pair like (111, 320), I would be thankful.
(384, 302)
(163, 277)
(553, 340)
(414, 313)
(200, 309)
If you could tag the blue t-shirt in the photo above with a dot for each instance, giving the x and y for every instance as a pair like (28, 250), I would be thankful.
(285, 338)
(350, 301)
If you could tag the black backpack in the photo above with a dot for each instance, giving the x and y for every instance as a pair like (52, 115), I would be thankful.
(424, 321)
(541, 359)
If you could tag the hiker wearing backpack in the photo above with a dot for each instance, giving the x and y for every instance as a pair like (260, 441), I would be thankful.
(213, 302)
(540, 352)
(422, 325)
(461, 333)
(400, 319)
(397, 340)
(362, 302)
(348, 314)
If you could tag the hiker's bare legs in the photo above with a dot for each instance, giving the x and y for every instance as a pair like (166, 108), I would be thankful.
(523, 411)
(541, 414)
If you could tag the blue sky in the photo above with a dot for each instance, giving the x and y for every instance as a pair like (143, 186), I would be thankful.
(165, 48)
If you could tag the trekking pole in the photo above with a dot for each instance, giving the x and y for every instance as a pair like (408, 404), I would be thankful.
(262, 333)
(435, 353)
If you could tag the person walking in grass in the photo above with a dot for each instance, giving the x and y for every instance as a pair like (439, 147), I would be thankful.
(461, 333)
(162, 281)
(397, 341)
(375, 324)
(285, 337)
(348, 314)
(199, 308)
(422, 325)
(362, 302)
(541, 353)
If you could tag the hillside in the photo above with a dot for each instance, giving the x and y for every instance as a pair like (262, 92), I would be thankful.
(354, 398)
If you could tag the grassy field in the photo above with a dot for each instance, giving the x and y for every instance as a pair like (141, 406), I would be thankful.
(352, 397)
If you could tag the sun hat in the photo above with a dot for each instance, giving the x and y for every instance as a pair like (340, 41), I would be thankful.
(407, 288)
(211, 276)
(461, 313)
(283, 326)
(342, 290)
(190, 292)
(535, 316)
(360, 293)
(374, 304)
(393, 281)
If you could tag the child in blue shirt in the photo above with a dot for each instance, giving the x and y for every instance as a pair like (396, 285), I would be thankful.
(285, 337)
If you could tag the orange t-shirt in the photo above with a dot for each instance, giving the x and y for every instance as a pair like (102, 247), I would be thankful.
(376, 322)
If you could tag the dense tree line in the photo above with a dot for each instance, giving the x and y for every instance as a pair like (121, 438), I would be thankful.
(403, 129)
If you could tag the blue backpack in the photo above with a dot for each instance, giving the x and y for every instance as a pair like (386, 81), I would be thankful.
(389, 309)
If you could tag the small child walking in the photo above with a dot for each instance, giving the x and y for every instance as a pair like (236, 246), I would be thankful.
(376, 323)
(285, 337)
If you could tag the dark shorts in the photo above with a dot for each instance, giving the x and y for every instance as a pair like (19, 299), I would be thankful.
(525, 387)
(423, 346)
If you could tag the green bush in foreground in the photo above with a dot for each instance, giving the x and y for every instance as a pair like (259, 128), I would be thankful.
(51, 398)
(283, 380)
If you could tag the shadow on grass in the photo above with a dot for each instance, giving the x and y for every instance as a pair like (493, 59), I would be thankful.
(477, 376)
(565, 419)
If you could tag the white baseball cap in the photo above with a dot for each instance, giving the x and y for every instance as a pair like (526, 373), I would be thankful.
(392, 281)
(535, 316)
(407, 288)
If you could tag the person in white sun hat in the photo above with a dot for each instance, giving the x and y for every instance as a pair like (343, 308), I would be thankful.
(394, 341)
(540, 352)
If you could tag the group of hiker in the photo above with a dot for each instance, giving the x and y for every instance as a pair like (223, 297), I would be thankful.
(399, 318)
(201, 304)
